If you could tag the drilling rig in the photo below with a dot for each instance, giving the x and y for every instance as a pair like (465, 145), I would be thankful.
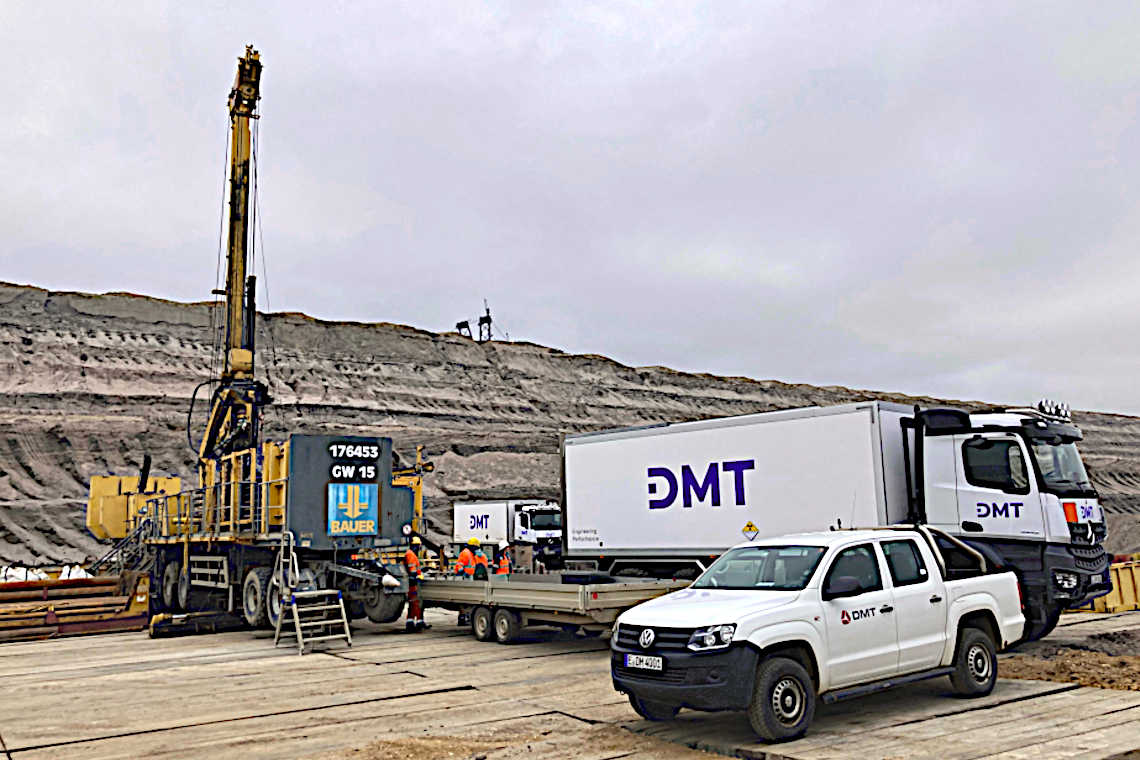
(267, 517)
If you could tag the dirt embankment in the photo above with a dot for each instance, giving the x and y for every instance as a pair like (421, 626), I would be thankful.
(1109, 660)
(89, 383)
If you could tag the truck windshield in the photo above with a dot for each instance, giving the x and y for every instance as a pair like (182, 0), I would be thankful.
(1061, 467)
(770, 568)
(546, 520)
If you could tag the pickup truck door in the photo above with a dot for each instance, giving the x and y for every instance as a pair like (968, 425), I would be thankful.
(862, 644)
(920, 604)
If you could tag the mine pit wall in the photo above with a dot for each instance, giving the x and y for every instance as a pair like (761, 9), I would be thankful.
(88, 383)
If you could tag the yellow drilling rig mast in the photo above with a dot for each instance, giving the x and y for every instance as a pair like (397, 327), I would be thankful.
(267, 517)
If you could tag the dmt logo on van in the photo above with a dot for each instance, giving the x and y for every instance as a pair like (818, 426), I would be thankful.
(690, 487)
(846, 617)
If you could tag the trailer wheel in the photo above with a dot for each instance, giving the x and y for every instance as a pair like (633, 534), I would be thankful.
(507, 626)
(481, 625)
(783, 700)
(655, 711)
(975, 664)
(254, 593)
(170, 575)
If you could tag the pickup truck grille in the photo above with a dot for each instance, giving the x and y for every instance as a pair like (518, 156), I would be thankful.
(665, 640)
(677, 675)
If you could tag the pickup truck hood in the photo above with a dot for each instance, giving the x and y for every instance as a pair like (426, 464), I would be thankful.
(693, 608)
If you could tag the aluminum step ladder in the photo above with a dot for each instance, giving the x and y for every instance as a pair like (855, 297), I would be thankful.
(316, 615)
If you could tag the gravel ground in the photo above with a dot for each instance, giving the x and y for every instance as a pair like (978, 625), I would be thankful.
(1108, 660)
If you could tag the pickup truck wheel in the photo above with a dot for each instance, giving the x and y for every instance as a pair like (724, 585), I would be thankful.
(975, 664)
(783, 700)
(481, 626)
(507, 625)
(656, 711)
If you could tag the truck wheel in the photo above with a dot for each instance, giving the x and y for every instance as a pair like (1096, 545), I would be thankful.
(656, 711)
(170, 575)
(507, 625)
(253, 597)
(783, 700)
(381, 607)
(975, 664)
(184, 590)
(481, 625)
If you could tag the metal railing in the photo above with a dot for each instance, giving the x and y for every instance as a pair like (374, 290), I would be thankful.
(240, 508)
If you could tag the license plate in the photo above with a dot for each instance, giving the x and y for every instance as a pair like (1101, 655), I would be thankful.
(644, 662)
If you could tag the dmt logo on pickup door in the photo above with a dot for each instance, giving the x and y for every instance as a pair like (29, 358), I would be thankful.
(708, 486)
(846, 617)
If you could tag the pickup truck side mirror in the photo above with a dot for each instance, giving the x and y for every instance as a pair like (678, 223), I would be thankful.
(842, 586)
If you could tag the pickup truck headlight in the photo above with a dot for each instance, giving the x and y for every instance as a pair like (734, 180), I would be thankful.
(712, 637)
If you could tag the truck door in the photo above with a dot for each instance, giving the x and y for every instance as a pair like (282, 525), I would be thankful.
(862, 644)
(920, 606)
(997, 495)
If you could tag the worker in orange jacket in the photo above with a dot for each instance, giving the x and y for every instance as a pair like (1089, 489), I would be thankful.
(465, 564)
(482, 568)
(415, 622)
(465, 568)
(504, 565)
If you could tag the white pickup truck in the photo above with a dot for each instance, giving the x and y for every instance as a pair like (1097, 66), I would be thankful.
(773, 625)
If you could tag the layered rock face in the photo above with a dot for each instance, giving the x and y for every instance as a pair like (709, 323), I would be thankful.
(89, 383)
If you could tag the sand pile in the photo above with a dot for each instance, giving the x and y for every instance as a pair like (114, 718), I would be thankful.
(88, 383)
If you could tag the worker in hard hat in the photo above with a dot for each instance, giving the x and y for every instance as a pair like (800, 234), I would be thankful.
(465, 565)
(465, 568)
(481, 568)
(415, 622)
(503, 567)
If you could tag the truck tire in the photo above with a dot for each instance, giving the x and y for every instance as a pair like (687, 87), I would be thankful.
(482, 626)
(655, 711)
(184, 590)
(783, 700)
(170, 575)
(975, 664)
(381, 607)
(507, 626)
(254, 592)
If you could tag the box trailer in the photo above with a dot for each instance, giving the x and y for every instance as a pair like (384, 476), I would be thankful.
(1009, 481)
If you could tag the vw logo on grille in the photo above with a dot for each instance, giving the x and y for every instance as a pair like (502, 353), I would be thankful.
(646, 638)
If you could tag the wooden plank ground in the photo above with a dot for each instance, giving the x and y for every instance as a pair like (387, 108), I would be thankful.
(234, 695)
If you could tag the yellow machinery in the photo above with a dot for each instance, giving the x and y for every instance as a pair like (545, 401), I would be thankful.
(267, 516)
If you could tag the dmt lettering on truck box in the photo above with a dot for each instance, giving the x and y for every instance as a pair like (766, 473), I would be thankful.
(994, 510)
(694, 488)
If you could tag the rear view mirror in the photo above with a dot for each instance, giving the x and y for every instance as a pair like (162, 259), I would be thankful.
(840, 587)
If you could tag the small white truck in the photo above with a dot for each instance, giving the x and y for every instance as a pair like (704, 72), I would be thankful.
(533, 522)
(775, 625)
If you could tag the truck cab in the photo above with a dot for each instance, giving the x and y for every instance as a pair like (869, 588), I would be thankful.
(774, 624)
(1012, 483)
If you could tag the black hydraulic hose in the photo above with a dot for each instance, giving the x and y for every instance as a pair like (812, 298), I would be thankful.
(190, 411)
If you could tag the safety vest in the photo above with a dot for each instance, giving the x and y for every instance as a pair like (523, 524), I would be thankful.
(413, 563)
(504, 567)
(465, 565)
(480, 559)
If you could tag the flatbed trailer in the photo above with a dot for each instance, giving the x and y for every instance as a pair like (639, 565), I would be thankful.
(500, 608)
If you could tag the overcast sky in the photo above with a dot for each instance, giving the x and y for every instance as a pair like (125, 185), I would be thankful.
(936, 198)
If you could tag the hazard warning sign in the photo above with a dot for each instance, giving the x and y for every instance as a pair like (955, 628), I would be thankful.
(750, 530)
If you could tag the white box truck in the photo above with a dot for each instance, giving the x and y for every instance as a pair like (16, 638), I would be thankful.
(1009, 482)
(517, 521)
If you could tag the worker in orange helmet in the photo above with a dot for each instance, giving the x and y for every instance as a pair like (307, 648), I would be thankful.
(415, 622)
(504, 565)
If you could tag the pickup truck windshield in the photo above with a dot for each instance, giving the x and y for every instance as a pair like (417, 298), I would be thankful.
(767, 568)
(1061, 467)
(546, 520)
